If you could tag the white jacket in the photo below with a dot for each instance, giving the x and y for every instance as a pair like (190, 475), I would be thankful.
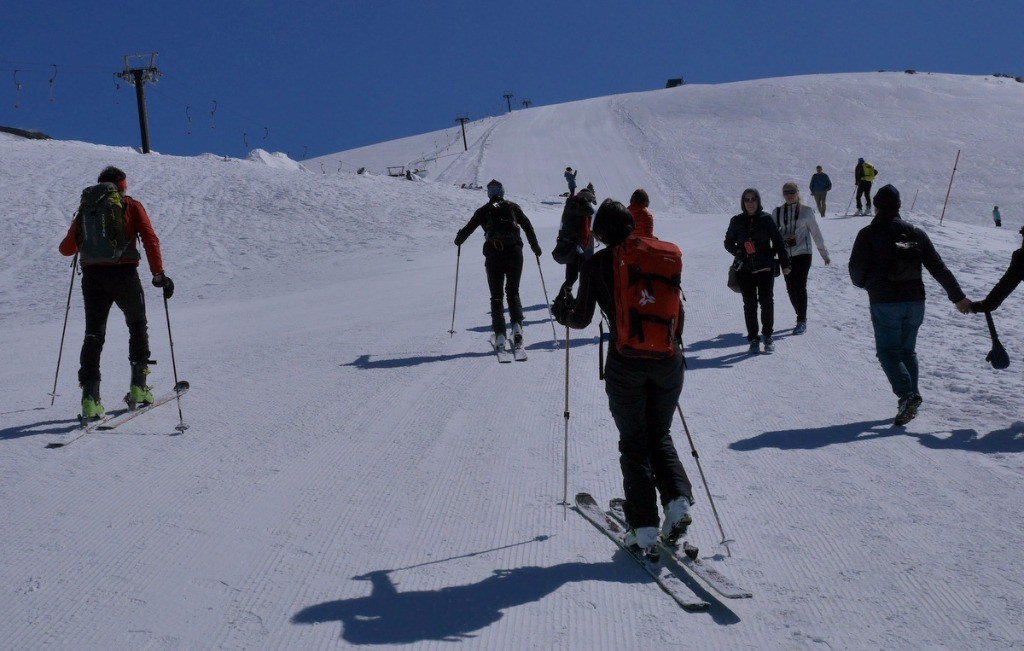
(798, 220)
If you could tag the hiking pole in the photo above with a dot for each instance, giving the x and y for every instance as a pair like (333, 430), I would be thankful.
(181, 426)
(950, 187)
(458, 257)
(565, 452)
(851, 201)
(693, 451)
(67, 309)
(551, 317)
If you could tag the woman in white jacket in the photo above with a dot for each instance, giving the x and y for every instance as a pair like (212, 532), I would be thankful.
(798, 226)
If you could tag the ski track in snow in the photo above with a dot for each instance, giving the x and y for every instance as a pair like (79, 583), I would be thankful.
(355, 476)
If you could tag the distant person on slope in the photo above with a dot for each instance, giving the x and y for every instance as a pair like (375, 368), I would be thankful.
(820, 185)
(503, 257)
(758, 250)
(798, 226)
(996, 217)
(864, 175)
(642, 395)
(886, 260)
(570, 178)
(639, 205)
(575, 244)
(110, 276)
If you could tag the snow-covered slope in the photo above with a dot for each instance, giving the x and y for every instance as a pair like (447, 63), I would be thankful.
(355, 476)
(696, 147)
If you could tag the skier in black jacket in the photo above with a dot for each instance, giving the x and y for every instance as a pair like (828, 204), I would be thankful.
(503, 256)
(755, 242)
(886, 260)
(642, 396)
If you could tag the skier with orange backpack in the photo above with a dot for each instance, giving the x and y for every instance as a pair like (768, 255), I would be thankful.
(637, 279)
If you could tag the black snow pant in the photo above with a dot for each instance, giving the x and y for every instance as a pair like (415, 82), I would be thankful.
(796, 284)
(642, 396)
(504, 271)
(102, 287)
(864, 190)
(758, 289)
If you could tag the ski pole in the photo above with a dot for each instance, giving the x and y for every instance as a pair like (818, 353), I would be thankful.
(693, 450)
(181, 426)
(565, 414)
(67, 309)
(458, 257)
(851, 201)
(551, 317)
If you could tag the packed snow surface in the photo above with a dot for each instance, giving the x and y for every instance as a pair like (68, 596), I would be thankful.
(354, 475)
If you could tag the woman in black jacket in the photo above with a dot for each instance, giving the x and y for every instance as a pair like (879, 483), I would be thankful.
(755, 242)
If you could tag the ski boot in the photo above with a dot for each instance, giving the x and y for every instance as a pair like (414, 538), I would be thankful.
(91, 407)
(139, 393)
(517, 335)
(643, 541)
(755, 347)
(769, 344)
(677, 519)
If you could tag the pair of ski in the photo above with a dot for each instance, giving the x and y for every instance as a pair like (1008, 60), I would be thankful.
(683, 558)
(117, 418)
(509, 351)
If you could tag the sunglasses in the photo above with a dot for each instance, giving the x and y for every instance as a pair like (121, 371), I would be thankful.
(750, 199)
(788, 192)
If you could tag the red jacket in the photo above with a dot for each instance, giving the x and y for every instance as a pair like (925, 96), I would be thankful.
(136, 224)
(643, 220)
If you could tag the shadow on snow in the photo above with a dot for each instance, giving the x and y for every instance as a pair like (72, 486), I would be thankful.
(1009, 439)
(453, 613)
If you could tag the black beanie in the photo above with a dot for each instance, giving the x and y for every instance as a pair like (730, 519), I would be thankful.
(495, 190)
(887, 199)
(613, 223)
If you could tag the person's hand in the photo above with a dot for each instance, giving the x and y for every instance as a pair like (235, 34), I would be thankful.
(964, 305)
(563, 304)
(537, 251)
(160, 280)
(786, 270)
(977, 306)
(828, 261)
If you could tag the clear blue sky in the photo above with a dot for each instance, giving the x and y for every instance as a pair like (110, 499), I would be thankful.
(318, 76)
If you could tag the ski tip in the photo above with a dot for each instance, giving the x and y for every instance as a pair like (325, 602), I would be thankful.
(54, 446)
(585, 498)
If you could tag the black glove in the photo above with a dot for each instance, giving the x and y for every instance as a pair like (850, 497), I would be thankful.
(166, 283)
(563, 305)
(537, 251)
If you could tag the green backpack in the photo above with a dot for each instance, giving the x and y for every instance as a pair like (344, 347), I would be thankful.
(100, 216)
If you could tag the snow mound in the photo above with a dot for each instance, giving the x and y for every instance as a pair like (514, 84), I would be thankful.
(277, 160)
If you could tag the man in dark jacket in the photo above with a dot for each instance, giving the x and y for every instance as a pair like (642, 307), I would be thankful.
(503, 257)
(820, 185)
(886, 260)
(642, 396)
(755, 242)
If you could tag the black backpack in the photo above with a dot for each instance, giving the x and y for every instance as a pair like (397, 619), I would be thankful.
(501, 227)
(907, 259)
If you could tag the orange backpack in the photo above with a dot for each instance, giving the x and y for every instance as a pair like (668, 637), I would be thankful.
(647, 274)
